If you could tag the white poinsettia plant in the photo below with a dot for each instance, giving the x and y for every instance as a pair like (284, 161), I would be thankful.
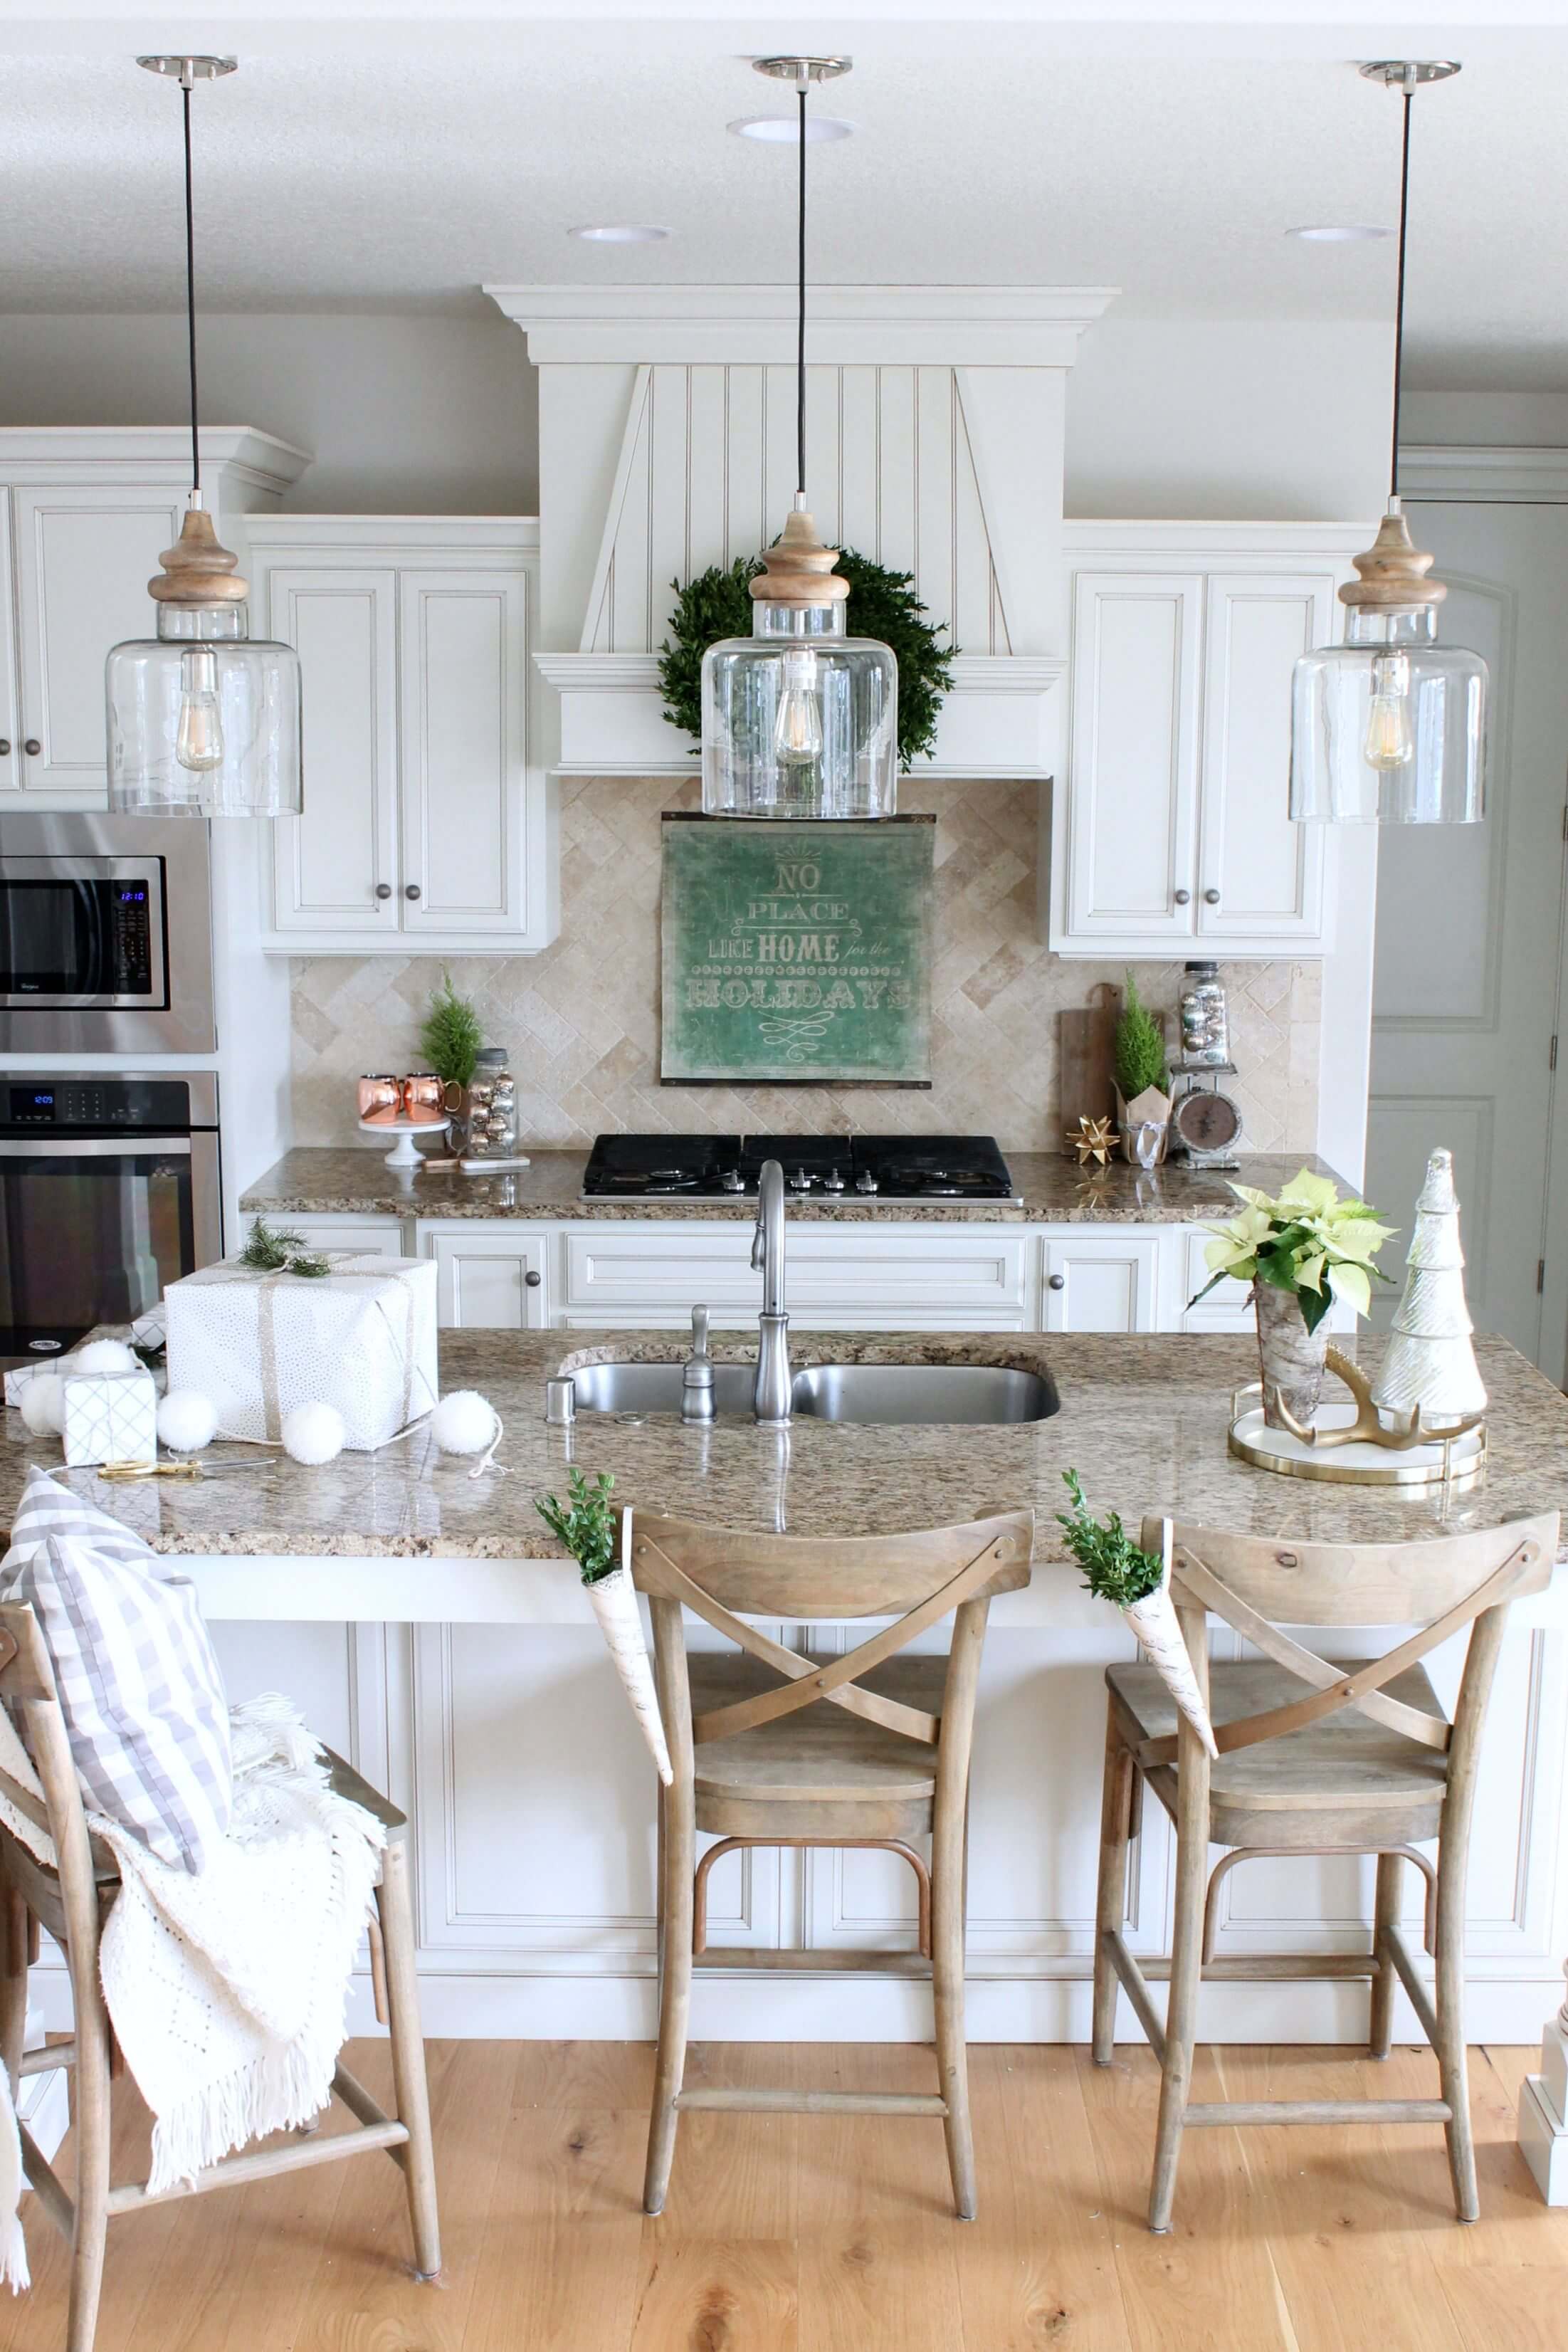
(1307, 1240)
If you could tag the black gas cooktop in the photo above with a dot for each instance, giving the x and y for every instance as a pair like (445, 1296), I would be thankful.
(882, 1168)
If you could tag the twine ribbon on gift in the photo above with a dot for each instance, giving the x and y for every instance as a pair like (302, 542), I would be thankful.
(340, 1266)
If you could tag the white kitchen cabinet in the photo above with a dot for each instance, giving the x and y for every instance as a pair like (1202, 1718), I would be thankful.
(427, 823)
(1100, 1280)
(487, 1277)
(84, 518)
(1170, 827)
(366, 1237)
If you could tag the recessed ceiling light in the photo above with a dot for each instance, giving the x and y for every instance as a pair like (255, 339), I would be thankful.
(785, 128)
(621, 233)
(1349, 233)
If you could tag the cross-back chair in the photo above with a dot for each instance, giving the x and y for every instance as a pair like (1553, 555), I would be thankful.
(775, 1747)
(73, 1901)
(1315, 1757)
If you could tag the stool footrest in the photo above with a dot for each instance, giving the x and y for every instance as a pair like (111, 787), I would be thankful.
(824, 1962)
(816, 2103)
(1319, 2111)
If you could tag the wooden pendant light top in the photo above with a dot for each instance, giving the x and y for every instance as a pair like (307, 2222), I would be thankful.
(198, 569)
(1392, 570)
(799, 569)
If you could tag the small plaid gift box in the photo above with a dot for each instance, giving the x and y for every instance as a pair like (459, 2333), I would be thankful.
(110, 1417)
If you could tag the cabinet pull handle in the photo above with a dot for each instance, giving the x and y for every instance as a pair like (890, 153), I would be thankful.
(1058, 1281)
(411, 890)
(533, 1278)
(1182, 897)
(383, 889)
(1211, 897)
(32, 747)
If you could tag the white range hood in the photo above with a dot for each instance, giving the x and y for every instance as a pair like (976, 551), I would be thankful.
(935, 421)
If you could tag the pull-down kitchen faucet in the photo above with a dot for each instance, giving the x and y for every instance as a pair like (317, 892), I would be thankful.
(771, 1397)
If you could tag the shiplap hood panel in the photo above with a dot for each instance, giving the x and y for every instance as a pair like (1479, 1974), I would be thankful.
(934, 423)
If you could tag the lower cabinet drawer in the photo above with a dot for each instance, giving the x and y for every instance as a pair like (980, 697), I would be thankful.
(923, 1279)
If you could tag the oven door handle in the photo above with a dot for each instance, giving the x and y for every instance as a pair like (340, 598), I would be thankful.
(92, 1147)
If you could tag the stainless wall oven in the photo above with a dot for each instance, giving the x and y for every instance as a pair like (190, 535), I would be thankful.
(106, 936)
(109, 1190)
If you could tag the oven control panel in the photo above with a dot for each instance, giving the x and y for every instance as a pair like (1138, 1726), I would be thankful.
(162, 1104)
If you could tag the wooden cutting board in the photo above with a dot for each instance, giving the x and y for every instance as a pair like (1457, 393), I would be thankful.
(1085, 1070)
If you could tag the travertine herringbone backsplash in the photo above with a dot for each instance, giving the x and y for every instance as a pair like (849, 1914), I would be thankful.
(581, 1023)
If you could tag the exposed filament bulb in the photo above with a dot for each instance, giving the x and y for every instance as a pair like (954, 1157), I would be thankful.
(1389, 742)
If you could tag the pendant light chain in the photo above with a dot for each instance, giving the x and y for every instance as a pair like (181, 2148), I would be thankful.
(190, 287)
(800, 320)
(1399, 289)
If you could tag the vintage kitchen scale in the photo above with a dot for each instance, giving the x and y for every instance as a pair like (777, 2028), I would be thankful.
(1206, 1124)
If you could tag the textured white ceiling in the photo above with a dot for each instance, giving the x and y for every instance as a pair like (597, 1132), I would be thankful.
(398, 169)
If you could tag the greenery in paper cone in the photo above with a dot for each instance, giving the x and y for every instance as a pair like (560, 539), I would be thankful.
(1140, 1048)
(450, 1036)
(271, 1251)
(585, 1523)
(1115, 1568)
(1307, 1240)
(881, 605)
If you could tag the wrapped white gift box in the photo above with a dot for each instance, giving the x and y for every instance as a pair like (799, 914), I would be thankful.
(110, 1417)
(360, 1336)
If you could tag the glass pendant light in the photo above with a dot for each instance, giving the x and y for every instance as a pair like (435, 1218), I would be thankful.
(203, 719)
(1389, 728)
(799, 719)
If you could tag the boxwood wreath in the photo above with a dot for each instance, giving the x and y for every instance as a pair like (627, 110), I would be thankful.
(882, 605)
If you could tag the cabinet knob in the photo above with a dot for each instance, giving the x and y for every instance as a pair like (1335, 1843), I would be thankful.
(4, 747)
(1211, 897)
(1182, 897)
(32, 747)
(1057, 1281)
(383, 889)
(533, 1278)
(411, 890)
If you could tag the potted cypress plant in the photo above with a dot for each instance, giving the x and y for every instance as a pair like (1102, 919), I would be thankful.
(450, 1037)
(1143, 1081)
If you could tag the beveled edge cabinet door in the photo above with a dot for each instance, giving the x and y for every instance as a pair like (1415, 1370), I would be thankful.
(487, 1277)
(1101, 1282)
(83, 559)
(335, 869)
(1259, 876)
(463, 656)
(1131, 810)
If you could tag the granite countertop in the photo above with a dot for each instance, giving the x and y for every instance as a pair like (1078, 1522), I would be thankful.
(1143, 1420)
(326, 1180)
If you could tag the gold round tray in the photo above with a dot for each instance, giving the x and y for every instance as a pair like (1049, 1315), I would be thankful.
(1458, 1462)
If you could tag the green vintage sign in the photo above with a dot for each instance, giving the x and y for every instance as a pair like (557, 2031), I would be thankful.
(798, 953)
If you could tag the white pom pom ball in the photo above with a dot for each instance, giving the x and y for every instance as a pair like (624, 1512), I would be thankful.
(313, 1434)
(187, 1420)
(464, 1422)
(104, 1356)
(43, 1406)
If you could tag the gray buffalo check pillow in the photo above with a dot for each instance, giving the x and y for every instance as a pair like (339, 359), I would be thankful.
(139, 1687)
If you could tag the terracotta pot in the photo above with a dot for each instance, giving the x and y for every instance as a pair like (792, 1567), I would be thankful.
(1293, 1358)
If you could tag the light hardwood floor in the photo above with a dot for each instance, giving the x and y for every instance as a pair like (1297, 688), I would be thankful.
(801, 2234)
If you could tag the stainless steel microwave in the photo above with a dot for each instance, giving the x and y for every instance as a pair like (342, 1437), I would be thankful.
(106, 935)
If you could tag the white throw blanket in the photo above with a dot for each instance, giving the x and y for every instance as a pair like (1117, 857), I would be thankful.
(228, 1991)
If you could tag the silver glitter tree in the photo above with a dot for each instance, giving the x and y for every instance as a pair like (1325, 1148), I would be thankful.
(1430, 1366)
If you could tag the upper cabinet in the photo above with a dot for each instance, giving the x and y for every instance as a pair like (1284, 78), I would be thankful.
(84, 517)
(427, 821)
(1170, 827)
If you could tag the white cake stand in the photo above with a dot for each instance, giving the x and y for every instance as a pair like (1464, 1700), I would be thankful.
(402, 1154)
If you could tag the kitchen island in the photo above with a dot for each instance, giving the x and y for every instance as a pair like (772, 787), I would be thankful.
(424, 1618)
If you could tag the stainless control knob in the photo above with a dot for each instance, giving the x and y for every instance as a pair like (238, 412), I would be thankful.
(866, 1183)
(1182, 897)
(832, 1181)
(800, 1182)
(732, 1180)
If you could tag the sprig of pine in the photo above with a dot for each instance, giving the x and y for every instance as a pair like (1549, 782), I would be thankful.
(585, 1523)
(270, 1250)
(1115, 1568)
(451, 1035)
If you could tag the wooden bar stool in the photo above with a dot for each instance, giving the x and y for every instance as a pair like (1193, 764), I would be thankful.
(1313, 1759)
(73, 1902)
(773, 1747)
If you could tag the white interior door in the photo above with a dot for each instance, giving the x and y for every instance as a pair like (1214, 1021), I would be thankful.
(1259, 876)
(464, 656)
(1132, 811)
(83, 560)
(1469, 927)
(331, 863)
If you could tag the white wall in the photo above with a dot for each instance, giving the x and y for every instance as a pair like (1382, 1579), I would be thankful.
(1511, 420)
(404, 415)
(1231, 420)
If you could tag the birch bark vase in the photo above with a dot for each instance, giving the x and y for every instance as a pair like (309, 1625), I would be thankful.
(613, 1601)
(1293, 1358)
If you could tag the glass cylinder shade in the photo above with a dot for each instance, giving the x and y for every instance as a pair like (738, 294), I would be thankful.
(798, 719)
(1390, 727)
(204, 721)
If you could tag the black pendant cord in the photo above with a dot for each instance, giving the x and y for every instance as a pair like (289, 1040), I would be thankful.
(190, 289)
(800, 323)
(1399, 295)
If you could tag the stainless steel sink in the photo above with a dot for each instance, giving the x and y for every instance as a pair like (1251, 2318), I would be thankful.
(886, 1393)
(924, 1392)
